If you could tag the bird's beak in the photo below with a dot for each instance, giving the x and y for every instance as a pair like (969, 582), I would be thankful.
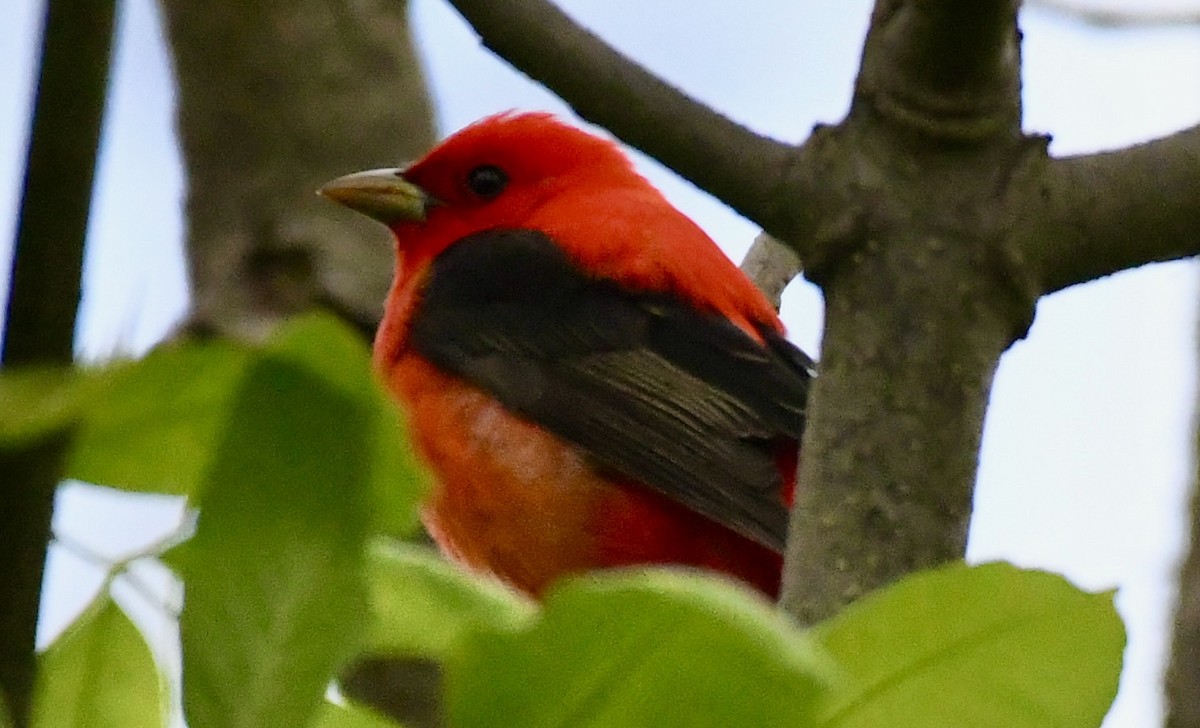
(381, 194)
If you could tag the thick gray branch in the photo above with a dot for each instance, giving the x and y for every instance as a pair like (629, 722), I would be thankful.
(275, 99)
(894, 420)
(922, 295)
(1098, 214)
(718, 155)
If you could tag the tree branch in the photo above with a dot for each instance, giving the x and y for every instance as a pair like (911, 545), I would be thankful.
(40, 322)
(771, 265)
(718, 155)
(895, 418)
(1124, 18)
(922, 295)
(29, 473)
(1183, 674)
(407, 689)
(948, 69)
(261, 246)
(1098, 214)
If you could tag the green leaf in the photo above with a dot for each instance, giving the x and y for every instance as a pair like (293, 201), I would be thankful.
(398, 482)
(148, 425)
(976, 646)
(274, 598)
(99, 674)
(422, 605)
(641, 648)
(324, 345)
(153, 424)
(350, 716)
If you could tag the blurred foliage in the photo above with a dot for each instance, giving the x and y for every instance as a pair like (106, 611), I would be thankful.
(298, 465)
(98, 674)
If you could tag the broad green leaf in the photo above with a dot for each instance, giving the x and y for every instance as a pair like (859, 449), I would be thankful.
(323, 345)
(153, 424)
(985, 646)
(5, 716)
(99, 674)
(274, 598)
(422, 605)
(643, 648)
(326, 346)
(398, 481)
(350, 716)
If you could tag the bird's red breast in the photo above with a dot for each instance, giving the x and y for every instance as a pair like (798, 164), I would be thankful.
(517, 501)
(592, 382)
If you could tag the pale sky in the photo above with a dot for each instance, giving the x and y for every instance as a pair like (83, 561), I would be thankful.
(1087, 444)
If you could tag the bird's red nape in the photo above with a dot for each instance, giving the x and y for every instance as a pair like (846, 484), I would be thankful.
(592, 381)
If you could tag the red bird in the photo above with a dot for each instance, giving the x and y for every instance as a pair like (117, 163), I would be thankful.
(592, 382)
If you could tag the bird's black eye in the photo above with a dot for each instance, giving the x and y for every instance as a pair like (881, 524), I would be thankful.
(487, 181)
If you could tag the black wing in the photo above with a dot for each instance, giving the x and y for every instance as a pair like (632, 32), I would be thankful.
(680, 400)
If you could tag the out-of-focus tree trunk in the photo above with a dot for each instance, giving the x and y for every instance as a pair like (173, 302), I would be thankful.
(275, 98)
(1183, 675)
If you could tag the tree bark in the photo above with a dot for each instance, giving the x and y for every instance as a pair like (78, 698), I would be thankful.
(1183, 674)
(276, 98)
(1094, 215)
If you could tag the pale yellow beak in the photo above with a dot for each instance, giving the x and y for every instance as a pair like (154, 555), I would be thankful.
(380, 194)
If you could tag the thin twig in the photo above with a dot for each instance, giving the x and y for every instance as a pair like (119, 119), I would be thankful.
(772, 266)
(118, 567)
(1130, 17)
(114, 570)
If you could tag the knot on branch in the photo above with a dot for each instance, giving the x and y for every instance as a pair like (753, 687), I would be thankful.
(1011, 262)
(924, 217)
(946, 70)
(826, 198)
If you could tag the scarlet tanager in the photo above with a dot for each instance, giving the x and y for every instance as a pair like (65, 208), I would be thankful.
(591, 381)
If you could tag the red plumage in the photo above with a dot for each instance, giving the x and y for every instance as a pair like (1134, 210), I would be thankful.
(552, 315)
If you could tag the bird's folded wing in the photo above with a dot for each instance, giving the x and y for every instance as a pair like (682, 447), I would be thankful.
(643, 383)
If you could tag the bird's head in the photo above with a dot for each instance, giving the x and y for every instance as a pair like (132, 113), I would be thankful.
(492, 174)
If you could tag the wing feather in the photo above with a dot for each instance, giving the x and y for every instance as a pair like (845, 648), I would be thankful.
(678, 399)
